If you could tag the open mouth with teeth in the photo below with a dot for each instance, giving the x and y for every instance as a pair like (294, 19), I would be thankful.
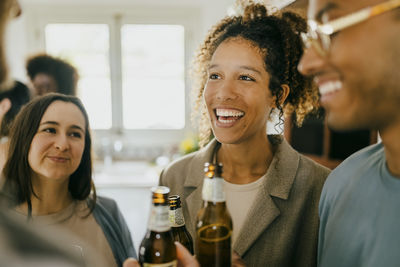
(228, 116)
(330, 87)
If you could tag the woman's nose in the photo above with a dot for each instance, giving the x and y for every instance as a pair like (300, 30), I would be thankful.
(226, 91)
(61, 142)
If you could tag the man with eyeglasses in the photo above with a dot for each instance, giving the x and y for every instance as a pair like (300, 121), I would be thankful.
(353, 54)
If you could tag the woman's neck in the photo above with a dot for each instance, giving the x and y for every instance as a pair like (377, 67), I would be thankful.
(52, 197)
(245, 162)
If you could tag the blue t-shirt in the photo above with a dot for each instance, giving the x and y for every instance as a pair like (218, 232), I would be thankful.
(360, 213)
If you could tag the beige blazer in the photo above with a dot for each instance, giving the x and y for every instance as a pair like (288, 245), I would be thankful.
(282, 225)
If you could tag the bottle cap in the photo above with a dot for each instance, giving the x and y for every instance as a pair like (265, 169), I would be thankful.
(160, 194)
(209, 169)
(174, 201)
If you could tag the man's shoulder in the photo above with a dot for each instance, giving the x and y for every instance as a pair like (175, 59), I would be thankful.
(351, 169)
(358, 161)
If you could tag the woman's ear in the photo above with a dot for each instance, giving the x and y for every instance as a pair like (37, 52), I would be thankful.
(284, 95)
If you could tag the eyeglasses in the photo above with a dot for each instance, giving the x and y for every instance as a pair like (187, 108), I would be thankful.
(319, 35)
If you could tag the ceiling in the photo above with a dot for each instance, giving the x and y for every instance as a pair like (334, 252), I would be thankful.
(194, 3)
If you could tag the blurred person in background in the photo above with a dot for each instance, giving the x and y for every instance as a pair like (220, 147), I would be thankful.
(23, 245)
(50, 74)
(48, 173)
(353, 55)
(245, 69)
(11, 101)
(8, 9)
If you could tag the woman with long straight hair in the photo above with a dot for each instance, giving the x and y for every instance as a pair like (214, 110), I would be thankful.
(49, 175)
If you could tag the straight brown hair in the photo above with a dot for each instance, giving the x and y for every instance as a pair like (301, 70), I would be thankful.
(18, 173)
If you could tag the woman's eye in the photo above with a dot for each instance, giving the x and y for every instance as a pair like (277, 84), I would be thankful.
(213, 76)
(76, 134)
(49, 130)
(246, 78)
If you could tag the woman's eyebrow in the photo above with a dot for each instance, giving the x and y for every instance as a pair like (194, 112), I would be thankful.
(49, 122)
(241, 67)
(250, 68)
(77, 127)
(56, 123)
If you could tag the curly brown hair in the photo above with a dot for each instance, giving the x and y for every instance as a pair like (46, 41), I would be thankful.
(277, 35)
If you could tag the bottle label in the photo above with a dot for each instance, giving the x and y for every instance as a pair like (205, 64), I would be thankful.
(159, 221)
(176, 218)
(168, 264)
(213, 189)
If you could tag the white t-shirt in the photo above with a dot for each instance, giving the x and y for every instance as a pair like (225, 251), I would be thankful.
(239, 200)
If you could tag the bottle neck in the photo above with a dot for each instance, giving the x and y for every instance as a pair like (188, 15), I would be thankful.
(176, 218)
(213, 189)
(159, 218)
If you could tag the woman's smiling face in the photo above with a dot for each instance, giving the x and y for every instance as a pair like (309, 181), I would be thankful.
(57, 147)
(237, 92)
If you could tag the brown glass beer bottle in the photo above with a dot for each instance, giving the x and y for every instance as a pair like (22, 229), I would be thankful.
(177, 222)
(157, 248)
(214, 223)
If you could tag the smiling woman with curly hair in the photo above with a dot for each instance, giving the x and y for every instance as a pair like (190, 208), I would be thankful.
(245, 69)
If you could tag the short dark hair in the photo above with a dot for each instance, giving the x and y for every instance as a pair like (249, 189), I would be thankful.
(65, 75)
(18, 173)
(18, 95)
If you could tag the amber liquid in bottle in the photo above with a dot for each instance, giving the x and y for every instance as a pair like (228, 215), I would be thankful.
(177, 222)
(214, 223)
(157, 247)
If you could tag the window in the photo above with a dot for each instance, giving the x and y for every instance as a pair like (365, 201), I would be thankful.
(132, 66)
(150, 69)
(86, 46)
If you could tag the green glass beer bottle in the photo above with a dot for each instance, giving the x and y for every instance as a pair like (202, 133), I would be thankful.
(214, 223)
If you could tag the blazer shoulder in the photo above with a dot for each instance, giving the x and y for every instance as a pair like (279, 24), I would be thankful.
(175, 173)
(192, 162)
(312, 171)
(180, 163)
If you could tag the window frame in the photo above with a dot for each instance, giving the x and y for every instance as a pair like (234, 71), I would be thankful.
(39, 16)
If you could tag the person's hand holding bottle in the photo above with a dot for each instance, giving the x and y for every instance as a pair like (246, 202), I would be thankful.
(185, 259)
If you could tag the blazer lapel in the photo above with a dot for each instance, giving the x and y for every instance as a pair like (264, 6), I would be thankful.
(260, 216)
(279, 180)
